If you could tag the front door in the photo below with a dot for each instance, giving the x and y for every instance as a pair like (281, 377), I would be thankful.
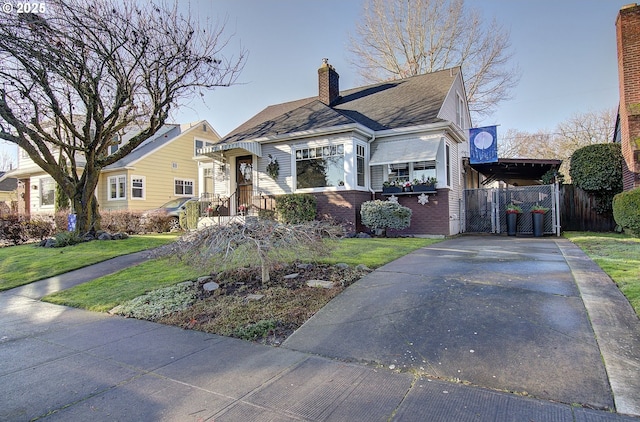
(244, 175)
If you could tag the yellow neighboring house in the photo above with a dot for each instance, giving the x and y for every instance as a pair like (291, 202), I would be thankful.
(8, 192)
(162, 168)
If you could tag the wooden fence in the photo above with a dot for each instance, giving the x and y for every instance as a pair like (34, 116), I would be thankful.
(577, 212)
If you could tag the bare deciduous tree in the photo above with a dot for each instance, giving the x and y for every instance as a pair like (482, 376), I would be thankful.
(6, 161)
(76, 76)
(401, 38)
(582, 129)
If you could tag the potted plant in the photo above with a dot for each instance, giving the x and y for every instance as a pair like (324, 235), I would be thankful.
(537, 213)
(391, 187)
(427, 184)
(512, 218)
(406, 186)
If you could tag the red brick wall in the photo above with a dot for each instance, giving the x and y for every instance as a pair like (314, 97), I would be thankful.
(628, 44)
(429, 219)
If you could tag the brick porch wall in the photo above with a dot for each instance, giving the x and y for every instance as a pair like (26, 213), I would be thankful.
(429, 219)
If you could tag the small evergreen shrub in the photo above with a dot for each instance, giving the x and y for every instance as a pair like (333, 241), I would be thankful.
(158, 303)
(64, 239)
(385, 215)
(626, 211)
(296, 208)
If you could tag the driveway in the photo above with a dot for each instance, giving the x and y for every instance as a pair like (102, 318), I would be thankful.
(498, 312)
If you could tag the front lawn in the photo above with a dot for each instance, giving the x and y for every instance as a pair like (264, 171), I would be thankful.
(285, 305)
(25, 264)
(618, 255)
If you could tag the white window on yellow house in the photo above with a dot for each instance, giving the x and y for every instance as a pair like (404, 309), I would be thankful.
(183, 187)
(47, 192)
(137, 187)
(117, 187)
(198, 144)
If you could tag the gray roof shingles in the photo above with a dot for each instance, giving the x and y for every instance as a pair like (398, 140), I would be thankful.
(388, 105)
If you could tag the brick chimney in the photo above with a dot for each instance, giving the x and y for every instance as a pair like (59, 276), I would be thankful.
(328, 87)
(628, 41)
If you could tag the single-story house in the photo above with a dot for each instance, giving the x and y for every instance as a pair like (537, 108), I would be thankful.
(342, 146)
(8, 192)
(160, 169)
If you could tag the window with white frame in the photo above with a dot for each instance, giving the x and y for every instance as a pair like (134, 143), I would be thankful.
(460, 112)
(408, 172)
(137, 187)
(360, 165)
(198, 144)
(183, 187)
(117, 187)
(47, 192)
(319, 167)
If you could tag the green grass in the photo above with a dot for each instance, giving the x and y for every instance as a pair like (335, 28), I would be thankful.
(374, 252)
(106, 292)
(25, 264)
(618, 255)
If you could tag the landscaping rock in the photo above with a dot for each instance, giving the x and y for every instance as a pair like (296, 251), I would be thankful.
(362, 235)
(254, 297)
(305, 266)
(49, 243)
(104, 236)
(204, 279)
(342, 266)
(291, 276)
(211, 286)
(362, 267)
(320, 283)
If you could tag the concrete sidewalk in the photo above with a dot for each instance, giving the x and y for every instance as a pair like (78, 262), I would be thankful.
(59, 363)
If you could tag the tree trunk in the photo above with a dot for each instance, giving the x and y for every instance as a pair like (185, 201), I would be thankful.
(85, 206)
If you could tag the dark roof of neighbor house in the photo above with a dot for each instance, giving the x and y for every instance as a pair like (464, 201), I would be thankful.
(388, 105)
(8, 184)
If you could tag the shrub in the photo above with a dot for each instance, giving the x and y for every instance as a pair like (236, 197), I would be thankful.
(597, 169)
(626, 210)
(296, 208)
(67, 239)
(122, 221)
(385, 215)
(158, 303)
(40, 229)
(266, 214)
(13, 229)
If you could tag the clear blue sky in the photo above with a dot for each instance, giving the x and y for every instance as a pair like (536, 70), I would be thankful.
(566, 50)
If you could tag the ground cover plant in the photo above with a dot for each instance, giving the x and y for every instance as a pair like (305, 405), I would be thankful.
(242, 306)
(618, 255)
(25, 264)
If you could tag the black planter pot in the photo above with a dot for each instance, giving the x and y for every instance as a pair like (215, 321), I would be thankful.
(512, 223)
(538, 223)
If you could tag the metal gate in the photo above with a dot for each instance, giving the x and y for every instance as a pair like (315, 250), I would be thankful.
(485, 208)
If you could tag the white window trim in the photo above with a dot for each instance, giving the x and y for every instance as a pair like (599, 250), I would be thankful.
(193, 186)
(205, 143)
(118, 197)
(144, 188)
(309, 145)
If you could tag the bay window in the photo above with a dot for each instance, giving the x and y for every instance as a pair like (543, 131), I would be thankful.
(319, 167)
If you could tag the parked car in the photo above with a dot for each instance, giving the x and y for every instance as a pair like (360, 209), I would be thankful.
(170, 209)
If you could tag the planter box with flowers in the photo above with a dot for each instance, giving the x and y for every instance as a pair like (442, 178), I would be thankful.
(391, 187)
(424, 185)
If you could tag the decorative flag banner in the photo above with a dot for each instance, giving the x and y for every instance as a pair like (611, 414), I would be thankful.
(484, 145)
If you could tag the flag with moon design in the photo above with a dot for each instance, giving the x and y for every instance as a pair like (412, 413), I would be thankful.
(484, 145)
